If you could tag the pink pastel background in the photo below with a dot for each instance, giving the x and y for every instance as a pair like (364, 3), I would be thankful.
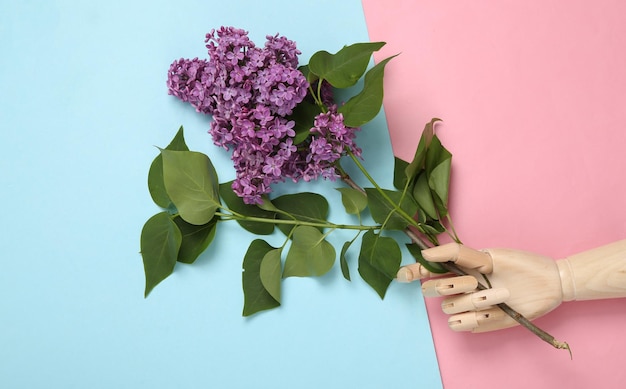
(533, 100)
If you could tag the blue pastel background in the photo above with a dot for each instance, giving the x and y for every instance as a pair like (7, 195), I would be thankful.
(82, 104)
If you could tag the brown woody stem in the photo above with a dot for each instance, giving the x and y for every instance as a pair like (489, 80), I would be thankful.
(518, 317)
(453, 268)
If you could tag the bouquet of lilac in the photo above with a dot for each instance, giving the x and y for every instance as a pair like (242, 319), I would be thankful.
(282, 121)
(251, 92)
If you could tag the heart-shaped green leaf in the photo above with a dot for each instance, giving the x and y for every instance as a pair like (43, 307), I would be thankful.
(354, 201)
(160, 242)
(256, 297)
(384, 212)
(156, 186)
(344, 68)
(364, 106)
(374, 278)
(309, 255)
(191, 182)
(270, 273)
(379, 261)
(305, 206)
(195, 239)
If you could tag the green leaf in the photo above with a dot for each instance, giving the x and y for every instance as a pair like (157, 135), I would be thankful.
(374, 278)
(310, 77)
(235, 203)
(256, 297)
(267, 205)
(384, 212)
(345, 270)
(422, 194)
(178, 142)
(345, 68)
(156, 186)
(417, 163)
(438, 166)
(435, 154)
(439, 182)
(379, 261)
(364, 107)
(433, 267)
(195, 239)
(309, 255)
(304, 206)
(191, 182)
(354, 201)
(160, 242)
(433, 227)
(270, 273)
(303, 116)
(399, 173)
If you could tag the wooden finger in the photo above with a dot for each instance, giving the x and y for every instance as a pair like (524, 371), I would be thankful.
(461, 255)
(476, 300)
(413, 272)
(449, 286)
(475, 320)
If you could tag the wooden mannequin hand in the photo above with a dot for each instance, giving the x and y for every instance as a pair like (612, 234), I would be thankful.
(531, 284)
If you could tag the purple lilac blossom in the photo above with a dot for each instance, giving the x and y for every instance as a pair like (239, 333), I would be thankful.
(186, 79)
(250, 91)
(330, 139)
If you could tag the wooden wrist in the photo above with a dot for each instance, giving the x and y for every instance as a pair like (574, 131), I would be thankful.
(599, 273)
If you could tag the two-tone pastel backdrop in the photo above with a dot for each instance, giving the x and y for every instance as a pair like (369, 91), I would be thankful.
(83, 103)
(533, 100)
(532, 96)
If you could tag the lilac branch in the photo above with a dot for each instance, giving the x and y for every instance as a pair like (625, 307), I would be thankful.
(453, 268)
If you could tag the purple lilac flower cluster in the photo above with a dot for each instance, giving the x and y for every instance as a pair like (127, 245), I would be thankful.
(329, 141)
(250, 91)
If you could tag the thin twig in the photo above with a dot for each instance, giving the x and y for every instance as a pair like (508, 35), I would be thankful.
(346, 178)
(453, 268)
(518, 317)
